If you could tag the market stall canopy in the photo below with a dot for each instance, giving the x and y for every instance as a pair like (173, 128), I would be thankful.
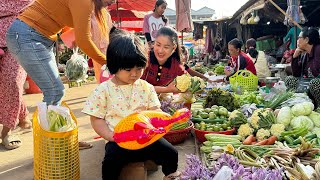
(126, 15)
(135, 26)
(310, 9)
(138, 5)
(184, 20)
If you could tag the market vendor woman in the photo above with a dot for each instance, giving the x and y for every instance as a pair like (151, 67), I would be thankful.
(165, 64)
(306, 64)
(239, 59)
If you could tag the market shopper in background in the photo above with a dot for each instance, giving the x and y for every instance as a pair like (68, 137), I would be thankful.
(154, 21)
(121, 96)
(13, 110)
(31, 38)
(164, 61)
(306, 64)
(291, 37)
(239, 59)
(185, 59)
(258, 58)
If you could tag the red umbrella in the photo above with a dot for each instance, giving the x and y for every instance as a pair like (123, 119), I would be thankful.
(132, 25)
(138, 5)
(126, 15)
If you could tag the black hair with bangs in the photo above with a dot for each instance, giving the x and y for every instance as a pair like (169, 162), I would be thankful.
(125, 51)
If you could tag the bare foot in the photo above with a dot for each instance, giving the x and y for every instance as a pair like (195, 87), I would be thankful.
(26, 124)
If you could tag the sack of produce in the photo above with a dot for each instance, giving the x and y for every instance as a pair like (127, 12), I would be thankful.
(76, 67)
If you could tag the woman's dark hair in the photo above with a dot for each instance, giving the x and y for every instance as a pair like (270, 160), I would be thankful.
(253, 52)
(159, 3)
(125, 50)
(236, 43)
(251, 43)
(312, 34)
(173, 35)
(183, 49)
(217, 47)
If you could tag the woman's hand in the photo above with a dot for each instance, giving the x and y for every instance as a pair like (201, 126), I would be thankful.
(172, 88)
(227, 72)
(298, 52)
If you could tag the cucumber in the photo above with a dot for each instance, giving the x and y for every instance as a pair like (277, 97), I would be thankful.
(310, 137)
(288, 139)
(214, 121)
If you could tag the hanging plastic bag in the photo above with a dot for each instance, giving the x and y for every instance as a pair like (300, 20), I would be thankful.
(76, 67)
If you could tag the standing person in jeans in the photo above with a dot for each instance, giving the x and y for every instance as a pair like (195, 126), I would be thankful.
(13, 110)
(32, 35)
(154, 21)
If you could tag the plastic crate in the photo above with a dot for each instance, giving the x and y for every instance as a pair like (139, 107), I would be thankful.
(266, 45)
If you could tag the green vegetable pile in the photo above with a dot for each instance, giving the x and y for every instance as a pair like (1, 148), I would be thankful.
(59, 123)
(249, 98)
(223, 98)
(219, 70)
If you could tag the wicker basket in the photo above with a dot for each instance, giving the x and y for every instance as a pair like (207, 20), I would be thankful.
(178, 136)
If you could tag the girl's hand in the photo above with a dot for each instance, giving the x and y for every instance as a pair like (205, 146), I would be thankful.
(110, 138)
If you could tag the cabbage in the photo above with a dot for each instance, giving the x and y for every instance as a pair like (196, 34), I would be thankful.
(302, 121)
(302, 109)
(316, 131)
(284, 117)
(315, 117)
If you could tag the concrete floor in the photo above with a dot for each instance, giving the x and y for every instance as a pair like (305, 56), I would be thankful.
(17, 164)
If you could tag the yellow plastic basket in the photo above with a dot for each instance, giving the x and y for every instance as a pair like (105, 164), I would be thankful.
(244, 79)
(56, 154)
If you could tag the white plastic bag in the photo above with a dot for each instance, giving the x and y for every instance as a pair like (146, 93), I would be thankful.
(224, 173)
(76, 67)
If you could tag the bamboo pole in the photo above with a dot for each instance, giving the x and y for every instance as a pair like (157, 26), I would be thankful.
(282, 11)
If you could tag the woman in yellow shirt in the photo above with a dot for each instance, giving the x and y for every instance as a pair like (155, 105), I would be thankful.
(31, 38)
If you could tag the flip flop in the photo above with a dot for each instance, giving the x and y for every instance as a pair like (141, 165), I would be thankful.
(173, 177)
(84, 145)
(11, 142)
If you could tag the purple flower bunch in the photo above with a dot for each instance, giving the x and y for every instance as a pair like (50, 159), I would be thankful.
(196, 170)
(169, 107)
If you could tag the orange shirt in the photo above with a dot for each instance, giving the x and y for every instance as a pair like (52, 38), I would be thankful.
(49, 17)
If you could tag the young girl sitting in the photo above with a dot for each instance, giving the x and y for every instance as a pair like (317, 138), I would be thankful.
(121, 96)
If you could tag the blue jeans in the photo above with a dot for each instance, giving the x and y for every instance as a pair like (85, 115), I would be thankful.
(35, 54)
